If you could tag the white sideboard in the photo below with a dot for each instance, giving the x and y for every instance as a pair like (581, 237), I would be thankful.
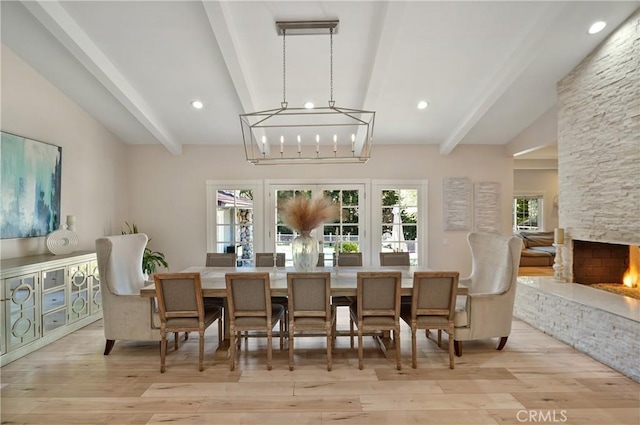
(45, 297)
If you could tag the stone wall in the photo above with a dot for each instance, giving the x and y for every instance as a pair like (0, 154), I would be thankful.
(599, 141)
(607, 337)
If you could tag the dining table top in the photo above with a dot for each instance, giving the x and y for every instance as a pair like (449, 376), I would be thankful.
(343, 279)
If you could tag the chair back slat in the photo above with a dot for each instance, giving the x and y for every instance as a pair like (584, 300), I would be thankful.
(378, 293)
(434, 293)
(179, 297)
(216, 259)
(248, 293)
(265, 259)
(348, 259)
(394, 259)
(309, 294)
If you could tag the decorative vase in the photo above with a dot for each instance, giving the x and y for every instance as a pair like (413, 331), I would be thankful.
(304, 249)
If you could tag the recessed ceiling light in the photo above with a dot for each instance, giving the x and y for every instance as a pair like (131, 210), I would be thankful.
(596, 27)
(422, 104)
(197, 104)
(309, 105)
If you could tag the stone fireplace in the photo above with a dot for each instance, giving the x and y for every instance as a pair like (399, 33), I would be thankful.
(599, 159)
(599, 207)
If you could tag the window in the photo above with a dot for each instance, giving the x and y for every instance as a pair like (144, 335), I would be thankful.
(527, 213)
(345, 231)
(400, 222)
(231, 220)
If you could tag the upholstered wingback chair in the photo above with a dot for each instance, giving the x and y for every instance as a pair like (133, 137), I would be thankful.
(488, 310)
(126, 315)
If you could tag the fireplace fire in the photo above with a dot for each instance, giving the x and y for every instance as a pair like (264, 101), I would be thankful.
(610, 267)
(630, 278)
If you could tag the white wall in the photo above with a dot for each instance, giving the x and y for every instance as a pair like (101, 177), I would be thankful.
(545, 182)
(94, 171)
(167, 193)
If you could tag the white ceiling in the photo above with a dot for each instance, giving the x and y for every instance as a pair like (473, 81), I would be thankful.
(487, 69)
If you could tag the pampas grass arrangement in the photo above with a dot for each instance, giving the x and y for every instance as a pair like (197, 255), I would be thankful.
(305, 214)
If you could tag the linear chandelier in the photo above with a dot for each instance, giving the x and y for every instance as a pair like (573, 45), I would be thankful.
(301, 135)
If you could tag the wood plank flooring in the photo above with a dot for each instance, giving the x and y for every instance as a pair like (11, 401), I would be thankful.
(535, 379)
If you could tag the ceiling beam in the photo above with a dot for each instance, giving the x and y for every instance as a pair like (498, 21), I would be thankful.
(380, 59)
(524, 51)
(221, 23)
(219, 15)
(53, 16)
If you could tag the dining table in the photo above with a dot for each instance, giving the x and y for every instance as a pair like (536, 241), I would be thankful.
(343, 279)
(343, 283)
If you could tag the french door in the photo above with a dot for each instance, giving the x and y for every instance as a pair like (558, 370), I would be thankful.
(347, 232)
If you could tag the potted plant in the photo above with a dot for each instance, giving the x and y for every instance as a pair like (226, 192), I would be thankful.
(151, 260)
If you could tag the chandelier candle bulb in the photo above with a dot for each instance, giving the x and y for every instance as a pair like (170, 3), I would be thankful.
(353, 143)
(317, 143)
(335, 143)
(558, 236)
(281, 144)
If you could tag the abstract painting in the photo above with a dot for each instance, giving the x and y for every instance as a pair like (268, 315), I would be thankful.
(30, 184)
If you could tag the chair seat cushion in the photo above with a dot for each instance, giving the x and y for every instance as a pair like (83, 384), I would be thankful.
(210, 315)
(423, 321)
(256, 322)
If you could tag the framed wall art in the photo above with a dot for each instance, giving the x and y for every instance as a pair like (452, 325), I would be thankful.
(30, 187)
(457, 203)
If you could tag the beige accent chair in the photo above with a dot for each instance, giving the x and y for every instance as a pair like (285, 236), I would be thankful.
(394, 259)
(310, 307)
(216, 259)
(182, 309)
(488, 310)
(265, 259)
(433, 305)
(250, 309)
(126, 315)
(377, 307)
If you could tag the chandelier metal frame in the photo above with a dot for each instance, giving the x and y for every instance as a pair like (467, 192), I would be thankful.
(261, 150)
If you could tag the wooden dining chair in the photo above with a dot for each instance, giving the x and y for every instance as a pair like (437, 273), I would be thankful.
(433, 304)
(216, 259)
(394, 259)
(265, 259)
(346, 259)
(250, 309)
(377, 307)
(181, 309)
(310, 307)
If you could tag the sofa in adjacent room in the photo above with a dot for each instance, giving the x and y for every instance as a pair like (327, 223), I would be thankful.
(537, 249)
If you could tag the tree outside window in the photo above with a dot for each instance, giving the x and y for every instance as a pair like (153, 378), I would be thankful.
(527, 213)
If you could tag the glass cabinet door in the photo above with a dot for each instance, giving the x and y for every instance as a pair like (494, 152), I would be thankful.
(54, 299)
(23, 313)
(94, 283)
(79, 291)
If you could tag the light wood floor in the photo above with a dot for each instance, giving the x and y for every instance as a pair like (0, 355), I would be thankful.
(71, 382)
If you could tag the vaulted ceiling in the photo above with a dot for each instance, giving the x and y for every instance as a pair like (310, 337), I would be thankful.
(487, 69)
